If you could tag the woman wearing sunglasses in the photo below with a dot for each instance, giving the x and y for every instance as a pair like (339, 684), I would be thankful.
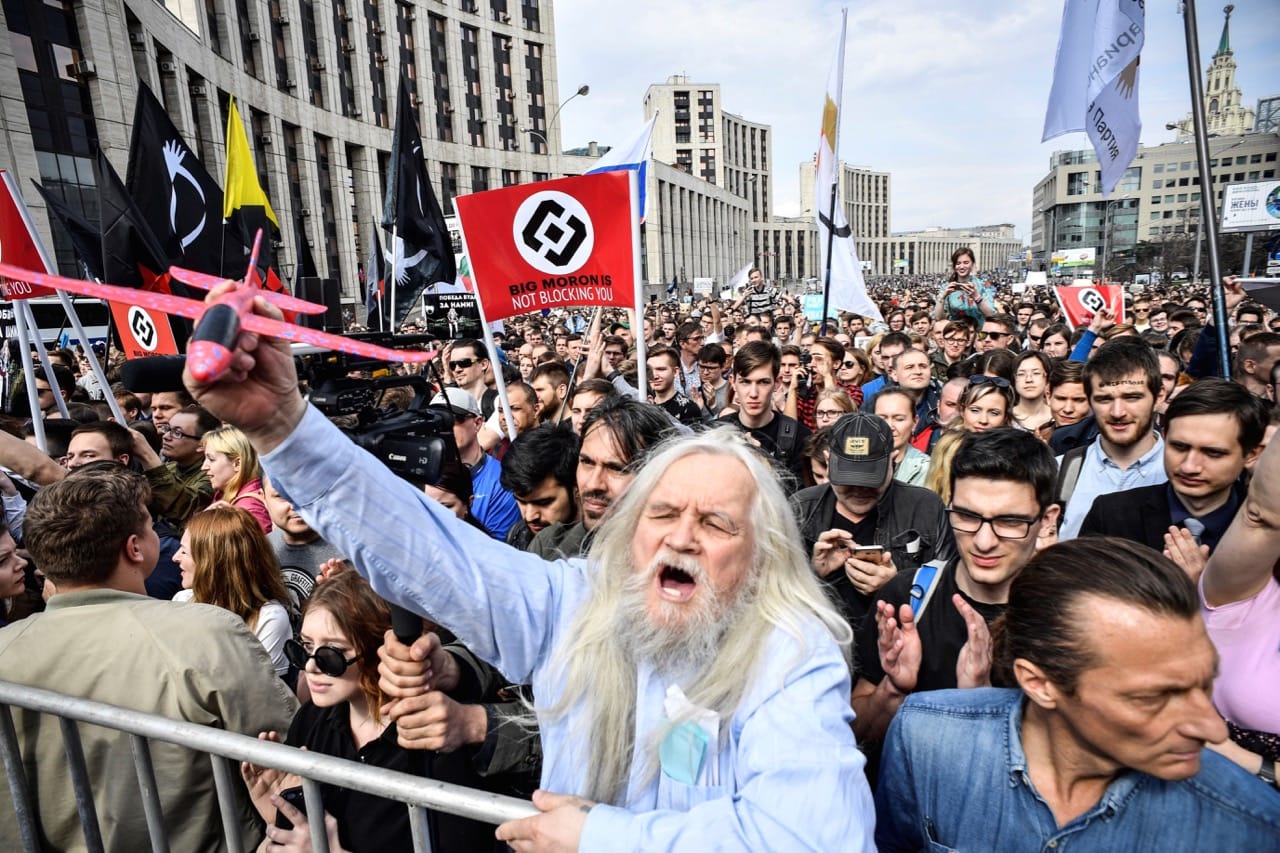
(226, 560)
(343, 624)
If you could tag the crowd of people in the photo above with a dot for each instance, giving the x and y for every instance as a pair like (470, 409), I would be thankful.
(965, 579)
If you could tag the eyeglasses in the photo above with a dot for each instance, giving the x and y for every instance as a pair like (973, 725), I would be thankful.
(1004, 526)
(982, 336)
(1035, 339)
(329, 661)
(461, 364)
(1142, 310)
(848, 364)
(177, 434)
(45, 390)
(952, 339)
(983, 379)
(826, 415)
(708, 367)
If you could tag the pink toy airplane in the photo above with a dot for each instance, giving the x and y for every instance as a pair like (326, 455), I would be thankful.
(218, 323)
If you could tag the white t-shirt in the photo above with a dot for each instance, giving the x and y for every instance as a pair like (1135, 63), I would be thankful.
(272, 631)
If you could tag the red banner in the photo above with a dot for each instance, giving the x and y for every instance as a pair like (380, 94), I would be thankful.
(17, 243)
(143, 331)
(551, 244)
(1080, 303)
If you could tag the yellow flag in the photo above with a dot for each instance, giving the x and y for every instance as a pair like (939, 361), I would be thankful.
(242, 188)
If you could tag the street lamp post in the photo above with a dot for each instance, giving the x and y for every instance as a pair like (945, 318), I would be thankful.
(583, 90)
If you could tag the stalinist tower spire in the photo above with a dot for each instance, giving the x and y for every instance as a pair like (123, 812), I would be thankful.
(1223, 113)
(1224, 43)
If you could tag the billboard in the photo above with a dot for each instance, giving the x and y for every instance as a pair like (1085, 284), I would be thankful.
(1251, 207)
(1074, 257)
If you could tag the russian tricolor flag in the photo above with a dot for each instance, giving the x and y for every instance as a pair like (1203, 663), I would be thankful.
(634, 156)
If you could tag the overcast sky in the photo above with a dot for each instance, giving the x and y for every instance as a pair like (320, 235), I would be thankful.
(946, 95)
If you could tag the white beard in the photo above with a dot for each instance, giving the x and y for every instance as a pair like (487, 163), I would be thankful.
(681, 638)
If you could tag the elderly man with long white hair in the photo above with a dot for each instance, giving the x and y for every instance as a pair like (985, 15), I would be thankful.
(692, 679)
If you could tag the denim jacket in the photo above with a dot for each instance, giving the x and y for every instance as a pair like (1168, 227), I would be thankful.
(954, 777)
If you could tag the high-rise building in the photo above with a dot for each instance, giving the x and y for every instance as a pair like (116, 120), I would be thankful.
(696, 135)
(864, 196)
(315, 81)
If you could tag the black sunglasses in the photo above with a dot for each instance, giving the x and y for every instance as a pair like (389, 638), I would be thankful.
(461, 364)
(983, 379)
(329, 661)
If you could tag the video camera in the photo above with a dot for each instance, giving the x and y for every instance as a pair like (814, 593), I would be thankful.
(414, 443)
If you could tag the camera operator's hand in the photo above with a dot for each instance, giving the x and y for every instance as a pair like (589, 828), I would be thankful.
(259, 394)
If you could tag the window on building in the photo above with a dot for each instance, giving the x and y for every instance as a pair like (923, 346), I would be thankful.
(448, 186)
(437, 40)
(530, 16)
(536, 92)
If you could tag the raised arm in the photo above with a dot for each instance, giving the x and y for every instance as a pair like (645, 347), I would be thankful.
(1245, 559)
(28, 461)
(414, 552)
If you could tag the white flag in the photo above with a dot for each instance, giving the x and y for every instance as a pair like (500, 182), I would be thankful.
(848, 291)
(1095, 81)
(634, 157)
(739, 279)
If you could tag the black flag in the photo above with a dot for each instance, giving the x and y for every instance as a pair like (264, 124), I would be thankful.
(176, 195)
(131, 254)
(422, 251)
(85, 239)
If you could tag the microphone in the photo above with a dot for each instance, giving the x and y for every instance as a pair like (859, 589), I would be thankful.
(154, 374)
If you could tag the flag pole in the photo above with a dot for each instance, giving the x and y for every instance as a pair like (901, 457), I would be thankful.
(594, 326)
(395, 262)
(492, 347)
(1208, 204)
(642, 379)
(835, 185)
(68, 307)
(33, 396)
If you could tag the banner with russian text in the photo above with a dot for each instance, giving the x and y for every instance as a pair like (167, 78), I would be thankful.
(552, 244)
(1080, 303)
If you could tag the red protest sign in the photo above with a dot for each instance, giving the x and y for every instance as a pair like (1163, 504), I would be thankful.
(143, 331)
(17, 243)
(1080, 303)
(551, 244)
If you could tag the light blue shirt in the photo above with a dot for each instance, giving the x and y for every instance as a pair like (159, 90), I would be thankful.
(786, 773)
(1100, 476)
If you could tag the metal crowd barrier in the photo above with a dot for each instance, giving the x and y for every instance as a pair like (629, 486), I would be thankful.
(226, 750)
